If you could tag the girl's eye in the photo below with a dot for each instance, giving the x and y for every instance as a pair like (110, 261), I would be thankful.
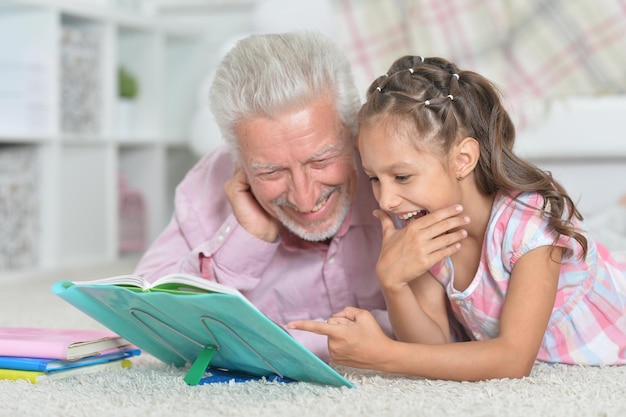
(402, 178)
(373, 179)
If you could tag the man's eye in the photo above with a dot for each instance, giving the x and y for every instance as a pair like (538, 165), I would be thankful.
(321, 163)
(402, 178)
(268, 174)
(373, 179)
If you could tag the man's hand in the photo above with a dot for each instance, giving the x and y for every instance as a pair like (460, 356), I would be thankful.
(354, 337)
(247, 209)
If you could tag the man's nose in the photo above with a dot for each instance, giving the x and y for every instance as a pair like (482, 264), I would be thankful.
(303, 190)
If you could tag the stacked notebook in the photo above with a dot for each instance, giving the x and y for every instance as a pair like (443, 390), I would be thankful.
(36, 354)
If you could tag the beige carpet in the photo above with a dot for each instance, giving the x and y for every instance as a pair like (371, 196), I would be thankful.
(150, 388)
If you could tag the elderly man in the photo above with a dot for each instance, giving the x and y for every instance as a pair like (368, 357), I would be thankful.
(282, 212)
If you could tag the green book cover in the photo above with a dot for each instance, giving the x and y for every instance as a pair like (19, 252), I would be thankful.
(178, 316)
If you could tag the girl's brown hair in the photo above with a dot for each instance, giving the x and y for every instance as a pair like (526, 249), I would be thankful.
(445, 104)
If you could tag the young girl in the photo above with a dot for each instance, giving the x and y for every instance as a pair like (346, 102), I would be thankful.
(487, 250)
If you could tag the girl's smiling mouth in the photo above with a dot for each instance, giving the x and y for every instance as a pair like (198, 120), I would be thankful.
(402, 220)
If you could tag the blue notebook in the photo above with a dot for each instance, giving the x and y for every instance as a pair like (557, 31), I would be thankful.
(49, 365)
(181, 318)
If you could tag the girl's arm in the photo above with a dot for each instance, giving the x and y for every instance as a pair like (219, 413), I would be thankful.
(417, 311)
(356, 340)
(415, 300)
(525, 315)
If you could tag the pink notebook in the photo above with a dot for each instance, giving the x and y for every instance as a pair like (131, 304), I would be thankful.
(57, 343)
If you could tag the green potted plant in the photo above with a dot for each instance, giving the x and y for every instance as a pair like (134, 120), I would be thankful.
(128, 85)
(128, 90)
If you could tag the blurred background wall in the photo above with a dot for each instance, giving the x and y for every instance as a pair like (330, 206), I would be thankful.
(82, 181)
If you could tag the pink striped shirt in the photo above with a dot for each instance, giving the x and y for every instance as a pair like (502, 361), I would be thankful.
(588, 322)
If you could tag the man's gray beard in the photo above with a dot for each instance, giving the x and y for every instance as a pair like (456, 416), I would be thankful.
(320, 236)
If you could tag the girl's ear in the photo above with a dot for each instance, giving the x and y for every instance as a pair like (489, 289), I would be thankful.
(465, 158)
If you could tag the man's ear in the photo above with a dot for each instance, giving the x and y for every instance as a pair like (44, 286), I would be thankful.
(465, 157)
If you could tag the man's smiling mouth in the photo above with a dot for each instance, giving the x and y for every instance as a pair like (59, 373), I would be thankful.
(318, 206)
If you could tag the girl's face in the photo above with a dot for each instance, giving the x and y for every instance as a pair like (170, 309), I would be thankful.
(407, 182)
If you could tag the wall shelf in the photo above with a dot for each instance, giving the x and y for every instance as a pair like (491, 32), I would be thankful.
(59, 107)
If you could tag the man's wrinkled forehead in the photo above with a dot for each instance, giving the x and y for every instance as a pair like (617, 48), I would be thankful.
(328, 151)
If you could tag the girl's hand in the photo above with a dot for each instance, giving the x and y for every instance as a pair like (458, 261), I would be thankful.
(410, 252)
(354, 337)
(247, 209)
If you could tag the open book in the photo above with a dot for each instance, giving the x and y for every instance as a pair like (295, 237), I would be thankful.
(185, 320)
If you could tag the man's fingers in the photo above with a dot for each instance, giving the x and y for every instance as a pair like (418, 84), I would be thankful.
(241, 179)
(237, 183)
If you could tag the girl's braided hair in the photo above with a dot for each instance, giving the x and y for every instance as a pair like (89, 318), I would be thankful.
(444, 104)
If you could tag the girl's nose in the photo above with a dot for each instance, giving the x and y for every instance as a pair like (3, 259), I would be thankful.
(387, 198)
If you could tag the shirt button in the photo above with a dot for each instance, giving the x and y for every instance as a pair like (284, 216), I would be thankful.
(220, 238)
(227, 229)
(477, 336)
(331, 260)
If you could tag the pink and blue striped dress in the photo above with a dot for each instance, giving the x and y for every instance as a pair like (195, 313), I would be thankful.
(588, 322)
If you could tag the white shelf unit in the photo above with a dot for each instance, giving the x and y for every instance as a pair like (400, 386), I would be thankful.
(60, 105)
